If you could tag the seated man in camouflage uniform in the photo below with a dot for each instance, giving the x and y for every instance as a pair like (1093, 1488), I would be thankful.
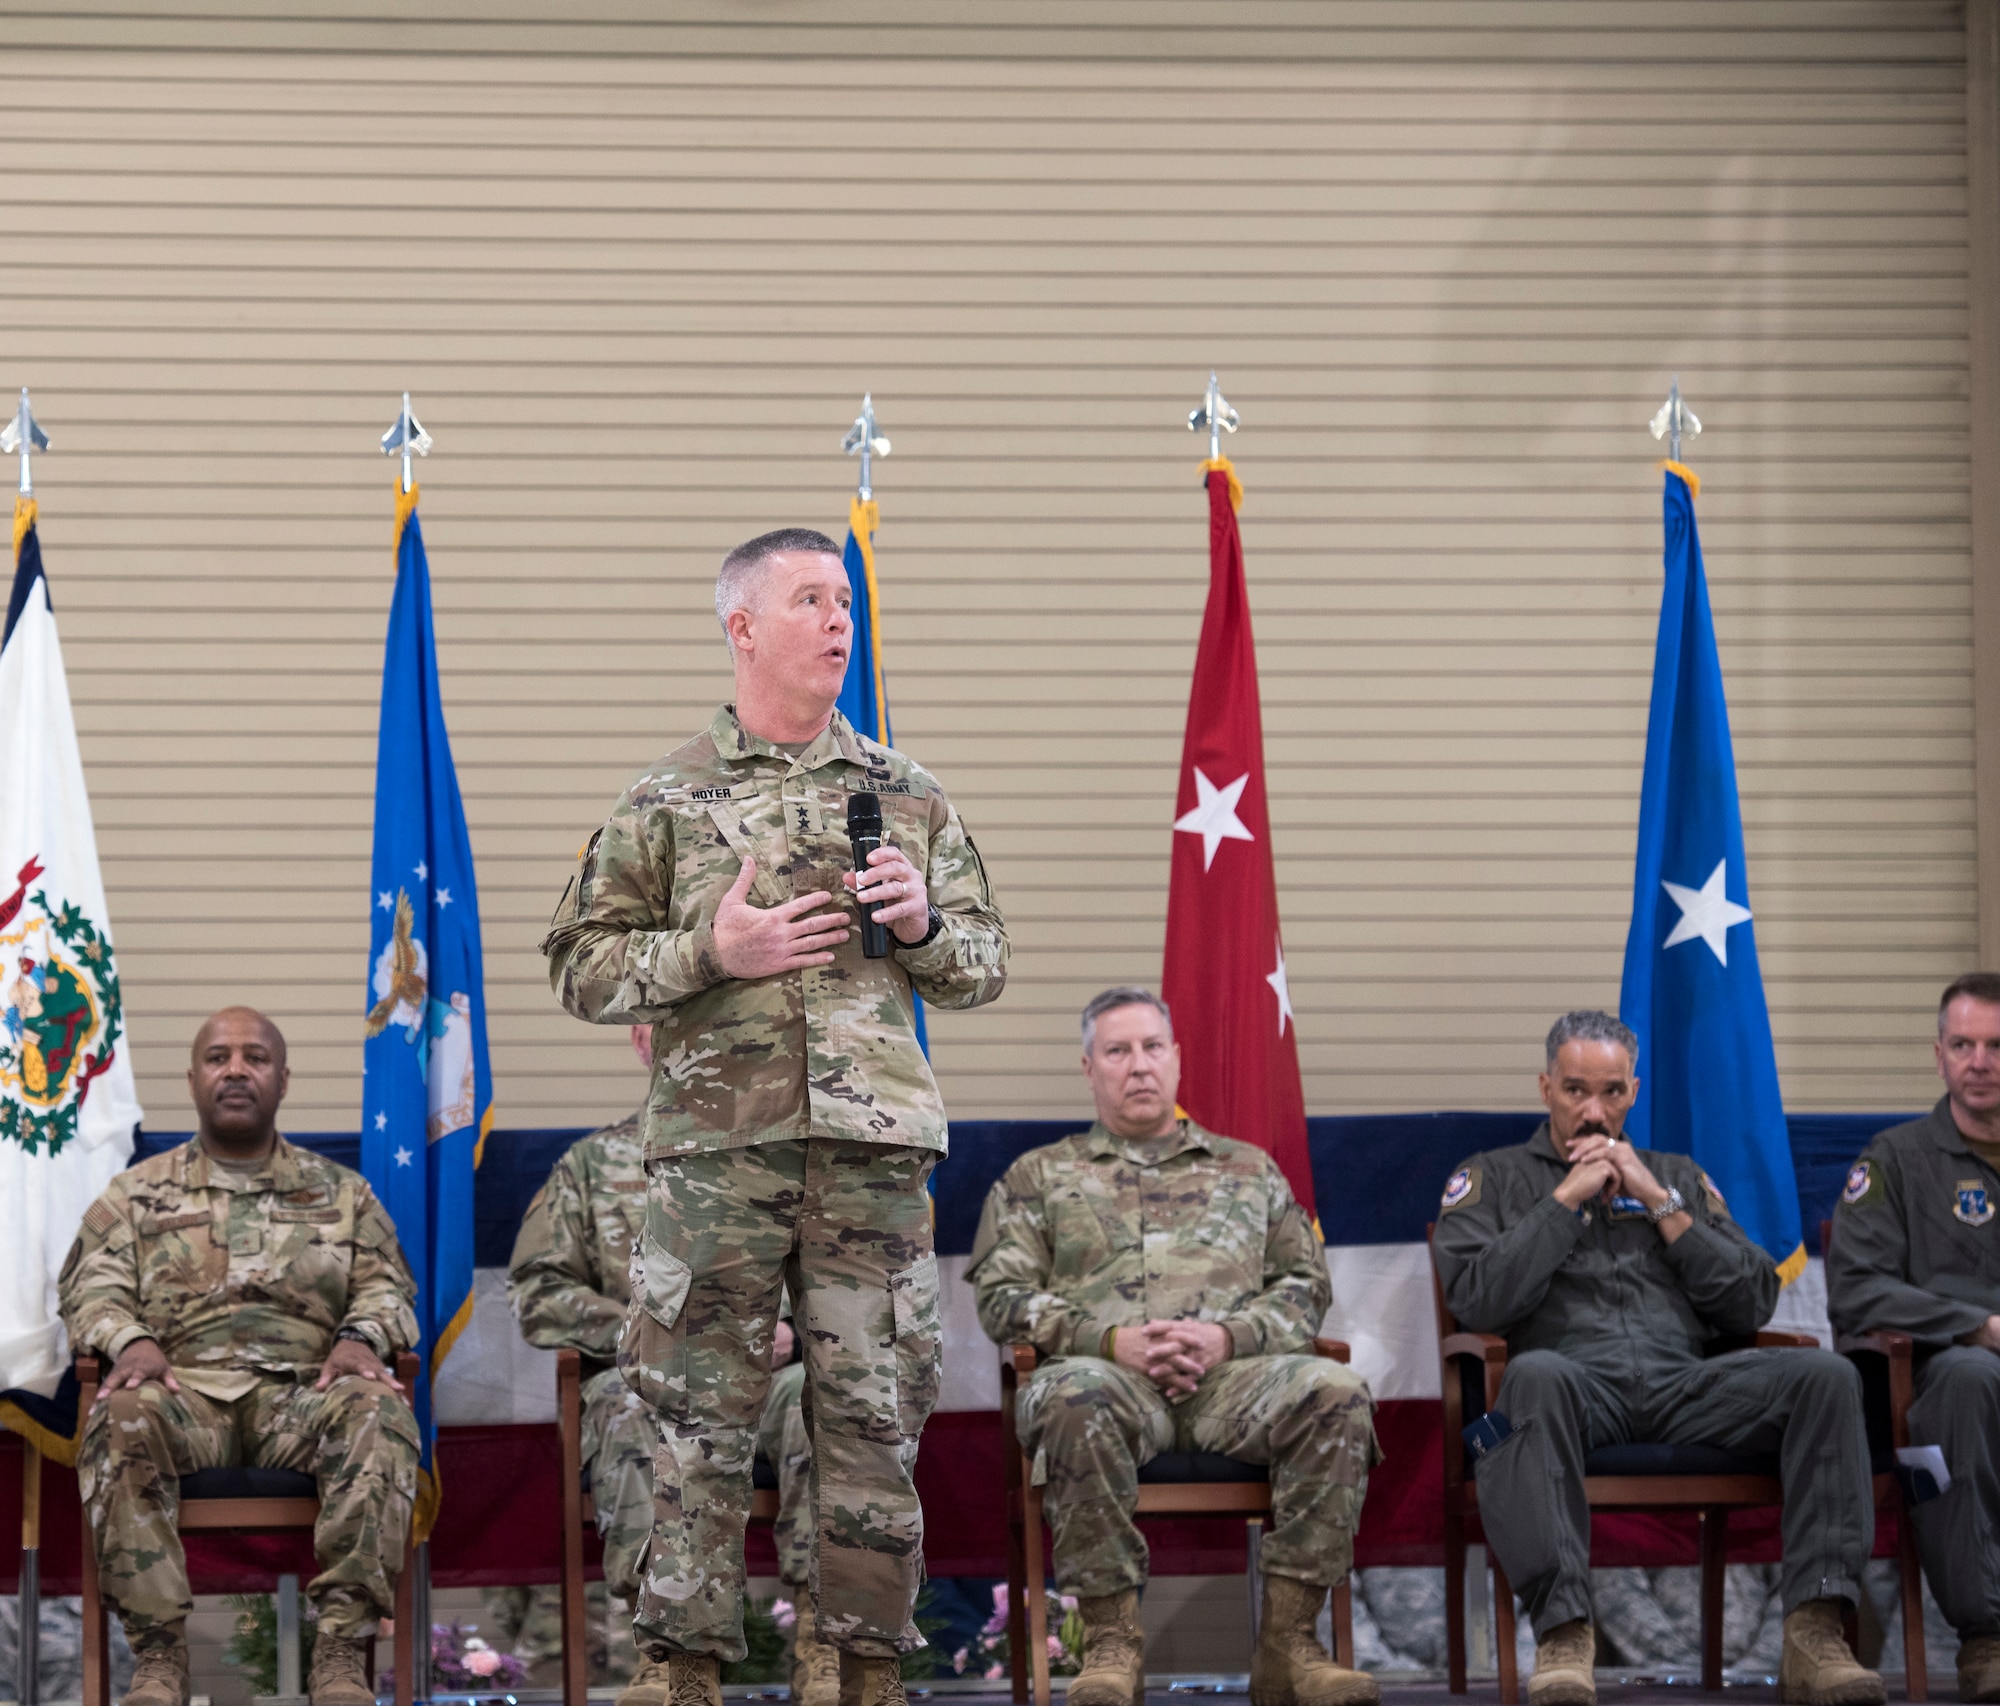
(1916, 1249)
(253, 1295)
(570, 1287)
(1172, 1285)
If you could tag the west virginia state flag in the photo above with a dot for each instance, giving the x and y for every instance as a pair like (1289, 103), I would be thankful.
(1693, 993)
(427, 1098)
(68, 1105)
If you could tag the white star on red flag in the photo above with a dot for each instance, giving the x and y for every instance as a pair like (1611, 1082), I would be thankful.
(1214, 818)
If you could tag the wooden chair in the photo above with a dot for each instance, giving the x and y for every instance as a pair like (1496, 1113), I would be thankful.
(1637, 1477)
(1193, 1483)
(238, 1498)
(1886, 1363)
(578, 1508)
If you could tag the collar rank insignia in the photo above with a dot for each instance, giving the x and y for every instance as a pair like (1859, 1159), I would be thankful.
(1857, 1183)
(1973, 1207)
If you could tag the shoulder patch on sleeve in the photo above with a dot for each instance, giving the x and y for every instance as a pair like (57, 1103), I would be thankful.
(1461, 1190)
(1708, 1185)
(100, 1217)
(1864, 1185)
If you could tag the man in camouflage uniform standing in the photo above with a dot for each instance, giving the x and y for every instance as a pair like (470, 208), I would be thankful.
(1172, 1285)
(253, 1294)
(570, 1288)
(793, 1120)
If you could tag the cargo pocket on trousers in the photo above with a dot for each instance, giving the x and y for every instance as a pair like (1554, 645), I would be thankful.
(652, 1348)
(913, 1293)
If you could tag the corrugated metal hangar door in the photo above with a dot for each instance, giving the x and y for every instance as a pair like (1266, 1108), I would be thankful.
(637, 276)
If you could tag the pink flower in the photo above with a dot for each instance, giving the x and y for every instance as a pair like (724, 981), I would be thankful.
(1055, 1647)
(1067, 1601)
(958, 1659)
(481, 1661)
(995, 1672)
(784, 1613)
(998, 1621)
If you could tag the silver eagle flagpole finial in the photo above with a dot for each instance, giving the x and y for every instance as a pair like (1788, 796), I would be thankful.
(865, 441)
(24, 433)
(405, 436)
(1215, 414)
(1674, 418)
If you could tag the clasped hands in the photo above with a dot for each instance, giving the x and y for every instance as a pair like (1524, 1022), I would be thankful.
(143, 1360)
(1603, 1166)
(761, 941)
(1173, 1355)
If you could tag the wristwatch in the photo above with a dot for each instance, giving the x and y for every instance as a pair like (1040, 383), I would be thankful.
(930, 935)
(355, 1335)
(1674, 1204)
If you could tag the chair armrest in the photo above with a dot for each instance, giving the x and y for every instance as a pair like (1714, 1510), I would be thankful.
(1489, 1348)
(1017, 1362)
(1897, 1347)
(1786, 1341)
(407, 1366)
(1335, 1350)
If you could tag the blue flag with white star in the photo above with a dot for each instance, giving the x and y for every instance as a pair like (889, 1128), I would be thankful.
(427, 1093)
(1693, 993)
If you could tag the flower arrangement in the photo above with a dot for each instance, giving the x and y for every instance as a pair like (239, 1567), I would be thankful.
(253, 1647)
(461, 1663)
(987, 1656)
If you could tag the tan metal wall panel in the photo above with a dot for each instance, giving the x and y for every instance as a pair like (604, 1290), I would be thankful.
(637, 274)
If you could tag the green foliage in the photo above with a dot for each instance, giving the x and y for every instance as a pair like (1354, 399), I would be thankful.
(253, 1649)
(768, 1647)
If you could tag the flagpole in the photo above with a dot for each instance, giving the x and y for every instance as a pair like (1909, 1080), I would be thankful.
(865, 441)
(24, 433)
(1674, 417)
(406, 436)
(29, 1623)
(1215, 414)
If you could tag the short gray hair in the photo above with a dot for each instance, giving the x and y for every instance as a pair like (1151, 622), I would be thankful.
(737, 579)
(1122, 995)
(1589, 1025)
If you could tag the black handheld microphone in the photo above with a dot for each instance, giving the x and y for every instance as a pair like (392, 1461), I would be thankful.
(864, 834)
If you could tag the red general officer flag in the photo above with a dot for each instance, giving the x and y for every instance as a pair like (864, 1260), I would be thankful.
(1225, 971)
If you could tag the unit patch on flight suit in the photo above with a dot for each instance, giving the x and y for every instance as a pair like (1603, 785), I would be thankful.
(1973, 1206)
(1460, 1189)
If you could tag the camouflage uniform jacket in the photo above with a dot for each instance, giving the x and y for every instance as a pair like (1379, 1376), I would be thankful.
(830, 1051)
(568, 1279)
(237, 1278)
(1096, 1231)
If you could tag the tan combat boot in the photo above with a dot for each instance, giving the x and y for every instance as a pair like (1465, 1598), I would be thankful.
(339, 1673)
(694, 1679)
(649, 1685)
(1290, 1667)
(1114, 1652)
(870, 1682)
(1565, 1663)
(1818, 1669)
(160, 1678)
(815, 1663)
(1979, 1668)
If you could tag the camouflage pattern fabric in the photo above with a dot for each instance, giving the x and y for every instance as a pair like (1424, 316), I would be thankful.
(239, 1275)
(243, 1276)
(846, 1227)
(782, 1441)
(826, 1053)
(1090, 1425)
(357, 1438)
(569, 1281)
(1097, 1232)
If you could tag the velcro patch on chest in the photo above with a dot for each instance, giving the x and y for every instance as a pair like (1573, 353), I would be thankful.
(307, 1216)
(1971, 1202)
(173, 1222)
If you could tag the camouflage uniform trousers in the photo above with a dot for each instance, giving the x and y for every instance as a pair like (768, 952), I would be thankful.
(357, 1438)
(1090, 1425)
(846, 1226)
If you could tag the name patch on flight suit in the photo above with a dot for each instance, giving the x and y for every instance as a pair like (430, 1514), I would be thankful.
(1973, 1206)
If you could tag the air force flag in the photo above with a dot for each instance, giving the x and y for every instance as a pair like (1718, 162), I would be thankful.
(1693, 993)
(427, 1096)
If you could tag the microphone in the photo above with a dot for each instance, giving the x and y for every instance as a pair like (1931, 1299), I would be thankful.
(864, 834)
